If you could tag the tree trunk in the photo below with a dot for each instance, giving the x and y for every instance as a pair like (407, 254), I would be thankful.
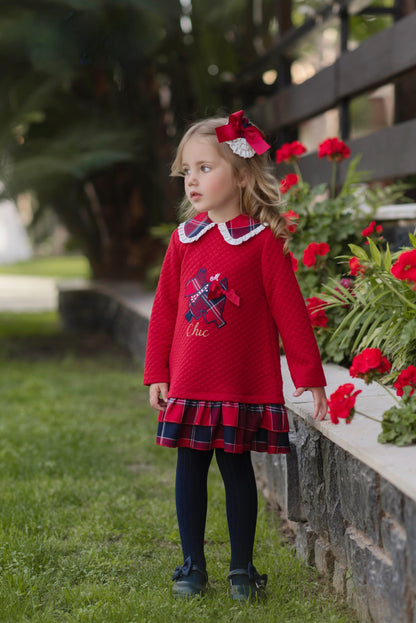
(124, 248)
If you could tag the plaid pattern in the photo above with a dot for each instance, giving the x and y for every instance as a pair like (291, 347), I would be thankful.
(237, 231)
(235, 427)
(194, 226)
(237, 227)
(197, 291)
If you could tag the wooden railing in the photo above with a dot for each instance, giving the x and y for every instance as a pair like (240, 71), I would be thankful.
(382, 59)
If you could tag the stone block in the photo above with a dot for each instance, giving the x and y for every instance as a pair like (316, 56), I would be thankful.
(410, 526)
(372, 577)
(91, 310)
(267, 474)
(86, 310)
(379, 583)
(278, 478)
(358, 490)
(129, 329)
(392, 501)
(357, 546)
(305, 543)
(339, 578)
(376, 581)
(311, 482)
(324, 558)
(336, 528)
(274, 473)
(357, 600)
(394, 541)
(294, 503)
(258, 460)
(279, 466)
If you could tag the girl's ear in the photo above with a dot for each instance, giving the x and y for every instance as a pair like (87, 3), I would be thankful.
(242, 177)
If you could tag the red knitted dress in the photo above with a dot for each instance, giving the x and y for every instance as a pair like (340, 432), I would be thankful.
(226, 292)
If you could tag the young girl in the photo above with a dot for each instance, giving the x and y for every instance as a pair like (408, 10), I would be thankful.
(226, 292)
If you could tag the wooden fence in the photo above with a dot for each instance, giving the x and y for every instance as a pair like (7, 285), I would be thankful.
(382, 59)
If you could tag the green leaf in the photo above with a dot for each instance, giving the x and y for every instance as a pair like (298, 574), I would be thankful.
(358, 252)
(412, 239)
(387, 258)
(375, 253)
(352, 323)
(368, 320)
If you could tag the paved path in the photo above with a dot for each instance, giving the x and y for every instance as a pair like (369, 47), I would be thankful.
(25, 293)
(21, 293)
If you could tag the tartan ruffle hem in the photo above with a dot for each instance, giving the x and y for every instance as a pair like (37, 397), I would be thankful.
(235, 427)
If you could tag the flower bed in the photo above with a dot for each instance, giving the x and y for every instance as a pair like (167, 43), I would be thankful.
(364, 302)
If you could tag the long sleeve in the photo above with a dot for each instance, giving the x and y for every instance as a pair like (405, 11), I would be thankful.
(163, 317)
(291, 316)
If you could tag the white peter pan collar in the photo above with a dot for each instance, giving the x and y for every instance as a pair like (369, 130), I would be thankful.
(238, 230)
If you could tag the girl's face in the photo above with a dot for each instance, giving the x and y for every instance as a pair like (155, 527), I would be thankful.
(210, 182)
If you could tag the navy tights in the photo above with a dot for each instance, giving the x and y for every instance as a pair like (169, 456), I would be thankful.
(241, 503)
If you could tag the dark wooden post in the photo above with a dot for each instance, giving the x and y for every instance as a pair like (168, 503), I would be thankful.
(405, 91)
(284, 17)
(344, 107)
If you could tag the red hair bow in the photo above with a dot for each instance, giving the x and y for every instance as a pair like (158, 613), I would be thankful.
(239, 126)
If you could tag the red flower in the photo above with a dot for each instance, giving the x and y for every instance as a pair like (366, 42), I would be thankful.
(406, 378)
(312, 250)
(294, 261)
(316, 311)
(370, 229)
(405, 267)
(287, 182)
(341, 403)
(369, 364)
(291, 218)
(289, 152)
(334, 150)
(355, 267)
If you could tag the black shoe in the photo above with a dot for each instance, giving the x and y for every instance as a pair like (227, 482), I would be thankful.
(247, 584)
(189, 580)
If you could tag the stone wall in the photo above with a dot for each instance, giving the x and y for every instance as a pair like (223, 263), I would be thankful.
(351, 523)
(96, 309)
(350, 500)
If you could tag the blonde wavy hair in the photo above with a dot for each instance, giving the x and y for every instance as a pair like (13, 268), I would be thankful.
(259, 198)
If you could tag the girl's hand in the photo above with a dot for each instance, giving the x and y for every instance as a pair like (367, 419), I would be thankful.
(319, 400)
(158, 396)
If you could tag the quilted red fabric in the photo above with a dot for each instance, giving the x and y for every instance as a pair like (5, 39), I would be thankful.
(226, 292)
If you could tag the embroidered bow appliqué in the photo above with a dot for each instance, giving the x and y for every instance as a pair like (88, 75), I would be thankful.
(216, 290)
(207, 298)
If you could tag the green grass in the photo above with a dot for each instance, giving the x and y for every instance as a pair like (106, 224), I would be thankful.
(31, 326)
(63, 266)
(88, 528)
